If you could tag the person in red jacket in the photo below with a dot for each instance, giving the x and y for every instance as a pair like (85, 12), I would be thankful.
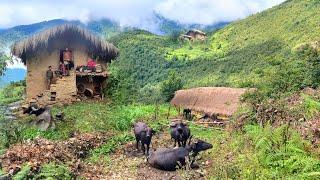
(91, 64)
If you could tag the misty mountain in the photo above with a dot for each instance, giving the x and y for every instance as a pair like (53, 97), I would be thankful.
(104, 27)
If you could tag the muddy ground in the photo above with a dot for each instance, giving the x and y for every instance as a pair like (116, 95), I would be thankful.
(125, 163)
(128, 163)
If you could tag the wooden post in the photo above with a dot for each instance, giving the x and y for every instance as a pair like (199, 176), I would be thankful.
(168, 112)
(156, 111)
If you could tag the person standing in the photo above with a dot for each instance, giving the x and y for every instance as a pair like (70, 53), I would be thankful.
(67, 59)
(49, 77)
(62, 69)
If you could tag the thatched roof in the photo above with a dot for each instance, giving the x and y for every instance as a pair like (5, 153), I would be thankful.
(186, 36)
(210, 100)
(43, 38)
(196, 31)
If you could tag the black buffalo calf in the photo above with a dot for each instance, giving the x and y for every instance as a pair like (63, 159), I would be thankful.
(180, 133)
(170, 159)
(143, 135)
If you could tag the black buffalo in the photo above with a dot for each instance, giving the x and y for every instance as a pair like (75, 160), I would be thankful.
(180, 133)
(170, 159)
(143, 134)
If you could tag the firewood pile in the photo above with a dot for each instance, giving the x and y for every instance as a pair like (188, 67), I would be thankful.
(41, 151)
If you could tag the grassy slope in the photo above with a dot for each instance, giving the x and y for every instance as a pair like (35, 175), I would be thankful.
(291, 23)
(254, 52)
(243, 54)
(12, 93)
(262, 41)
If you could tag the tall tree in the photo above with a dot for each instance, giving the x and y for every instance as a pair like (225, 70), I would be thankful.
(3, 62)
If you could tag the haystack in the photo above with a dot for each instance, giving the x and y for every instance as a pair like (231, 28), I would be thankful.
(210, 100)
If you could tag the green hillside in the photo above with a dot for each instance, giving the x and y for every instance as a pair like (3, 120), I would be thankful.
(291, 23)
(246, 53)
(274, 135)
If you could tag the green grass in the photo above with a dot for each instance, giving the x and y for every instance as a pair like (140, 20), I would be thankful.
(86, 118)
(261, 51)
(262, 153)
(12, 93)
(104, 116)
(54, 171)
(101, 154)
(311, 106)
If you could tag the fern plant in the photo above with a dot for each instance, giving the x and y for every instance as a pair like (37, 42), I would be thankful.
(283, 151)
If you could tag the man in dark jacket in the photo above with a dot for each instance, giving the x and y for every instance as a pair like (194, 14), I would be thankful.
(49, 77)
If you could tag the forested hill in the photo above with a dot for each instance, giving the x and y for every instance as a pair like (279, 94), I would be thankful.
(8, 36)
(103, 27)
(260, 51)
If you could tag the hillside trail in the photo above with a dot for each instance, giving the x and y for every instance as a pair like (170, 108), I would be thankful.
(126, 162)
(129, 163)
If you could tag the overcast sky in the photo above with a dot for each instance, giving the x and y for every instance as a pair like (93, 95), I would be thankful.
(136, 13)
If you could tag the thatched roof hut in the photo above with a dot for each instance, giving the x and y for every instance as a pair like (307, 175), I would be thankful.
(65, 49)
(196, 31)
(193, 35)
(44, 38)
(209, 100)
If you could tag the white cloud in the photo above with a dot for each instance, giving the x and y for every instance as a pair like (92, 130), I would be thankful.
(136, 13)
(17, 64)
(211, 11)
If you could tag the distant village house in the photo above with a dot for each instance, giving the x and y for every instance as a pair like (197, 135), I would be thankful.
(194, 35)
(63, 63)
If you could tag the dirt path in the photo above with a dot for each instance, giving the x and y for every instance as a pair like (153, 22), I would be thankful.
(128, 163)
(125, 163)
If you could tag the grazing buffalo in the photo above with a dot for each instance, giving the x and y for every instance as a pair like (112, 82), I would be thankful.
(143, 134)
(187, 114)
(170, 159)
(180, 133)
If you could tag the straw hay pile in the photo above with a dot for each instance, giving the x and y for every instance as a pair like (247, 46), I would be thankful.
(210, 100)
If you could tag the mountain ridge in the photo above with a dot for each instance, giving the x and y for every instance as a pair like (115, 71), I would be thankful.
(103, 27)
(246, 53)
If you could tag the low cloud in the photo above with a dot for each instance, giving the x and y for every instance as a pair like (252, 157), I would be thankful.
(137, 13)
(208, 12)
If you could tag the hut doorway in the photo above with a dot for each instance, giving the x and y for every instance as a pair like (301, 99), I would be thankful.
(66, 60)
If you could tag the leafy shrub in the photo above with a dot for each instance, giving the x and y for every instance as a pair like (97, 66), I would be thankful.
(10, 133)
(54, 171)
(283, 152)
(311, 106)
(120, 88)
(109, 146)
(24, 173)
(3, 62)
(13, 92)
(171, 85)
